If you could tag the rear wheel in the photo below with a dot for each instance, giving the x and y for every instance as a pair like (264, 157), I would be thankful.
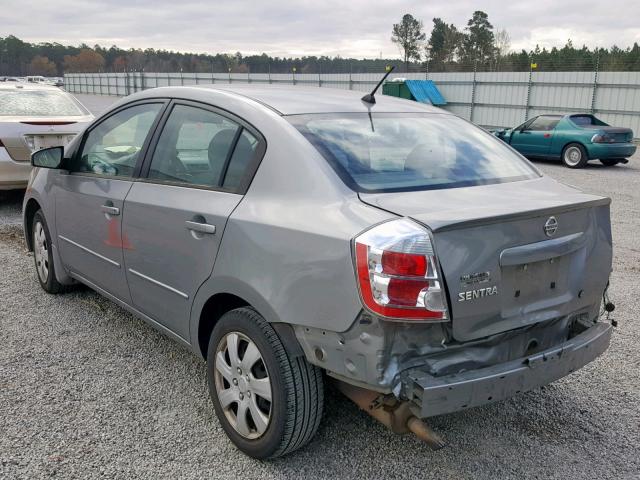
(268, 402)
(609, 162)
(574, 156)
(43, 256)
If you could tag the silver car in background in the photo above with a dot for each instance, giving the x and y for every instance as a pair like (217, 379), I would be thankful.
(34, 116)
(292, 234)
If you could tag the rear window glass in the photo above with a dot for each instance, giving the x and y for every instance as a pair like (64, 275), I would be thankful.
(403, 152)
(586, 120)
(38, 103)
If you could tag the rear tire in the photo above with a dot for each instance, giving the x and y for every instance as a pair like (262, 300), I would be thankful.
(268, 402)
(43, 255)
(574, 156)
(609, 162)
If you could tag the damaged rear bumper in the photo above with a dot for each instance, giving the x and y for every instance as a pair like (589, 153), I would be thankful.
(431, 395)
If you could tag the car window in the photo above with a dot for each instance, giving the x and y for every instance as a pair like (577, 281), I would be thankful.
(38, 103)
(243, 154)
(543, 123)
(194, 148)
(586, 120)
(112, 148)
(403, 152)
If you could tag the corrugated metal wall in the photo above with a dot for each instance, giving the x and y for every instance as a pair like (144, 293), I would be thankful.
(490, 99)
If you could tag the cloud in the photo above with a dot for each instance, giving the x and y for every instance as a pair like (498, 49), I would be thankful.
(355, 28)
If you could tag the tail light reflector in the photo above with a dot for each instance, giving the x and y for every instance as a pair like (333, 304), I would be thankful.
(397, 272)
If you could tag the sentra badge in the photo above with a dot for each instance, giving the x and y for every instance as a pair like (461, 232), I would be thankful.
(478, 293)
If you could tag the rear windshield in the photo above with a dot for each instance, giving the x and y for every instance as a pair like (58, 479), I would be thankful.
(403, 152)
(587, 121)
(38, 103)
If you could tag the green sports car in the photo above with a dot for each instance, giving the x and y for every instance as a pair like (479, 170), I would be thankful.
(575, 139)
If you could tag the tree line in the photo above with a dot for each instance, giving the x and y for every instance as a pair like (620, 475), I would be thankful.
(447, 48)
(478, 46)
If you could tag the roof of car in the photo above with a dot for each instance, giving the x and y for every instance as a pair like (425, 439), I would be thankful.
(294, 100)
(26, 86)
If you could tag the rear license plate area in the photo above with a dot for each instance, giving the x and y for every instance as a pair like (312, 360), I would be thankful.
(38, 142)
(535, 286)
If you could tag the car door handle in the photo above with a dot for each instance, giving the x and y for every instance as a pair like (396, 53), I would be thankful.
(111, 210)
(201, 227)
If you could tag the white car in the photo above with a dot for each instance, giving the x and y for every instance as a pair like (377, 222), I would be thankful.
(32, 117)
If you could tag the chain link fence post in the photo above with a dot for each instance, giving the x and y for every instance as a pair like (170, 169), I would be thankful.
(473, 91)
(529, 84)
(595, 85)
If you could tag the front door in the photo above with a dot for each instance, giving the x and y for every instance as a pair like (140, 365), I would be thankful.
(90, 197)
(534, 138)
(175, 218)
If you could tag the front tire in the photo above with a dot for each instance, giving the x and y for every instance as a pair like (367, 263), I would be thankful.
(268, 402)
(574, 156)
(43, 255)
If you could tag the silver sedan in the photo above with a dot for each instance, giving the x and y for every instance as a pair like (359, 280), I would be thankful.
(287, 233)
(33, 117)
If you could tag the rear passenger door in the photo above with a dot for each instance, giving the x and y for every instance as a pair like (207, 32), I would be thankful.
(195, 174)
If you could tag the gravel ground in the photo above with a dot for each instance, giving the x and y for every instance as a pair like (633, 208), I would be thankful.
(89, 391)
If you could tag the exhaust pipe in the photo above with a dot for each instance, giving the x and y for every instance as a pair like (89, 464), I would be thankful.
(391, 412)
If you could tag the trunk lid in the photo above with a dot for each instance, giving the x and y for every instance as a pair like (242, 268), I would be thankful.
(21, 136)
(620, 134)
(501, 269)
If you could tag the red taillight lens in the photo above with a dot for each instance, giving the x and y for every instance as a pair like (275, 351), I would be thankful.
(396, 263)
(397, 272)
(405, 292)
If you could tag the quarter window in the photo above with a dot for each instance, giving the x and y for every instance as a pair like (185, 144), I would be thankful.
(112, 148)
(242, 155)
(202, 148)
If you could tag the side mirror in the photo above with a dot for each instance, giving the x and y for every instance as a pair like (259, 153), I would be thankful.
(48, 157)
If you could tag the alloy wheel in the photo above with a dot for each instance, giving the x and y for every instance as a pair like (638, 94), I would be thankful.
(243, 385)
(572, 156)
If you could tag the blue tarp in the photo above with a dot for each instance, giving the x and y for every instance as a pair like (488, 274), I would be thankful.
(425, 91)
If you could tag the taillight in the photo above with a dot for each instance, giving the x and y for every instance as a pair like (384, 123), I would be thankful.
(397, 272)
(602, 138)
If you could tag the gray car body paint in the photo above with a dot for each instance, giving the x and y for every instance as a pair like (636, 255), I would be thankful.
(286, 250)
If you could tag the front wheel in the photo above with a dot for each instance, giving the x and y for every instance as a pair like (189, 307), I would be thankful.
(268, 402)
(43, 256)
(574, 156)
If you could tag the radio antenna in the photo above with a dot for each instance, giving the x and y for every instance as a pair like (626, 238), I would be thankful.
(370, 97)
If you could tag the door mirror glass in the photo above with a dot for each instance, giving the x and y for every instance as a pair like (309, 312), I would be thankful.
(48, 157)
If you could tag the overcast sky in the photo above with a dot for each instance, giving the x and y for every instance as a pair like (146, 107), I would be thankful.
(350, 28)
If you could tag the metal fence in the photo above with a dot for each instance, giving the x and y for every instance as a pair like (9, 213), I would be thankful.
(489, 99)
